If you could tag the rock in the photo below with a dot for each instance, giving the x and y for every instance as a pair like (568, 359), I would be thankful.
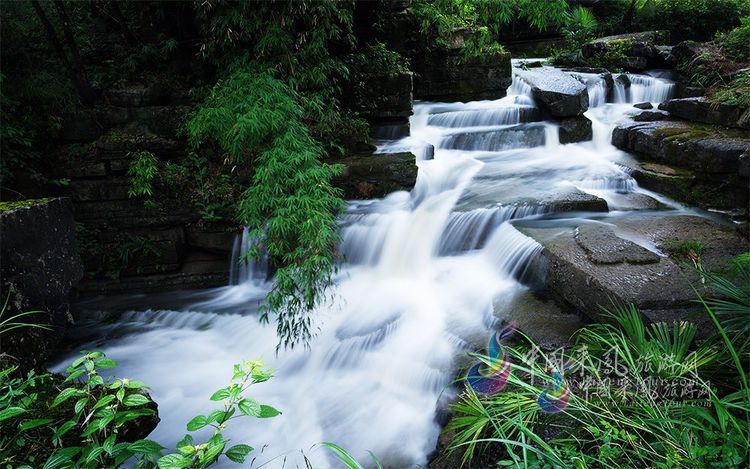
(623, 79)
(683, 144)
(40, 265)
(216, 240)
(602, 246)
(153, 94)
(635, 64)
(643, 106)
(650, 116)
(661, 288)
(575, 129)
(685, 91)
(376, 175)
(450, 75)
(574, 200)
(640, 44)
(557, 92)
(702, 110)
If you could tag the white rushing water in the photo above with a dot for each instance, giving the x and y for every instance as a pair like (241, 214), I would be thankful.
(415, 292)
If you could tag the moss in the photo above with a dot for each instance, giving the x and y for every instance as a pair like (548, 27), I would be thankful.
(15, 205)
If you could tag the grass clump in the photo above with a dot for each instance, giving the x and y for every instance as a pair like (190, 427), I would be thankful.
(640, 395)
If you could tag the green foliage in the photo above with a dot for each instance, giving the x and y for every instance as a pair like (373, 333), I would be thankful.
(234, 404)
(15, 321)
(579, 27)
(213, 189)
(737, 92)
(736, 43)
(83, 420)
(698, 20)
(112, 258)
(613, 56)
(143, 168)
(641, 396)
(256, 119)
(44, 417)
(293, 37)
(377, 58)
(347, 459)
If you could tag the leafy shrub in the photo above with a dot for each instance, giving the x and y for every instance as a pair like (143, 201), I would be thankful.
(256, 119)
(736, 43)
(613, 56)
(84, 420)
(579, 27)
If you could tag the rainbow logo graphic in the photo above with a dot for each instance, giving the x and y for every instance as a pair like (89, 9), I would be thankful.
(555, 398)
(489, 379)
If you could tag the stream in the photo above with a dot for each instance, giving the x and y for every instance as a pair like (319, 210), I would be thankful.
(426, 276)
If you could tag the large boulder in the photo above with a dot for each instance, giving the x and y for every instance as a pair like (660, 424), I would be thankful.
(591, 266)
(556, 92)
(40, 265)
(369, 176)
(700, 109)
(632, 51)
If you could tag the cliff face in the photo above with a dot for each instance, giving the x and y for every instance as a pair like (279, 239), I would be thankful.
(39, 264)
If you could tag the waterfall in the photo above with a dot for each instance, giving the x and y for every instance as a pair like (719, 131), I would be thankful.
(643, 88)
(418, 283)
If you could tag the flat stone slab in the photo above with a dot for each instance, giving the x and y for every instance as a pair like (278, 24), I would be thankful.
(603, 246)
(699, 109)
(571, 265)
(557, 92)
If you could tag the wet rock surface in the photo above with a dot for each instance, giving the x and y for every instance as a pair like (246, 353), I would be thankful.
(376, 175)
(575, 129)
(603, 246)
(557, 92)
(660, 288)
(699, 109)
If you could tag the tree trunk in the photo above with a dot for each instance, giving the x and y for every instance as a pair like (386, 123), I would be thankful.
(79, 75)
(50, 32)
(628, 18)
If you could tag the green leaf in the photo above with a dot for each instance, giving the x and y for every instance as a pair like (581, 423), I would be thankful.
(266, 411)
(186, 441)
(135, 400)
(106, 363)
(64, 428)
(146, 447)
(34, 423)
(61, 457)
(120, 394)
(250, 407)
(220, 395)
(173, 461)
(66, 394)
(133, 384)
(80, 404)
(11, 412)
(186, 450)
(197, 423)
(95, 453)
(109, 443)
(238, 453)
(343, 456)
(103, 401)
(74, 375)
(212, 453)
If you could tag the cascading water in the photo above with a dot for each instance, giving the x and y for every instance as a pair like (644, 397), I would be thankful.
(419, 276)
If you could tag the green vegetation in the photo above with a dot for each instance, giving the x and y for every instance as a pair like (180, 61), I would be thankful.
(641, 395)
(15, 205)
(75, 422)
(141, 174)
(697, 20)
(255, 118)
